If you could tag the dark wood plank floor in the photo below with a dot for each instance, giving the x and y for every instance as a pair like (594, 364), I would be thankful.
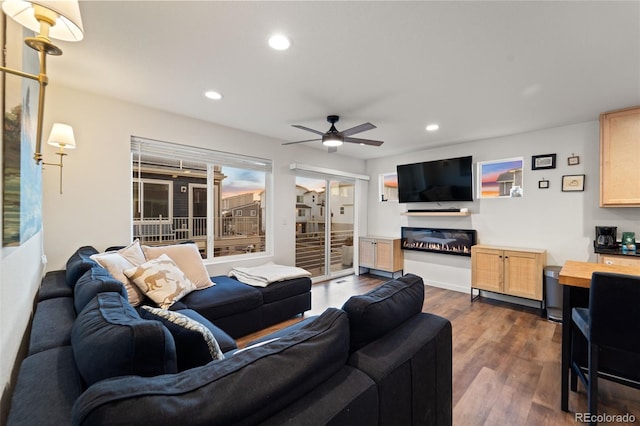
(506, 358)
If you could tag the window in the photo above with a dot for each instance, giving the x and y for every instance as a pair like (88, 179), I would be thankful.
(221, 186)
(341, 209)
(152, 199)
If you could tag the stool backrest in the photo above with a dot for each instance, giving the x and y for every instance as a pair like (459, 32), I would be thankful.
(614, 311)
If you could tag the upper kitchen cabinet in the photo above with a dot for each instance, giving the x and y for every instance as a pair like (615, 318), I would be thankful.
(620, 158)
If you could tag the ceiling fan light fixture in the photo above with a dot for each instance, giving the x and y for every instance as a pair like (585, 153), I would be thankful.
(331, 140)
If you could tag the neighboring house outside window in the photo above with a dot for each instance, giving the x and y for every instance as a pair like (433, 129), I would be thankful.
(183, 193)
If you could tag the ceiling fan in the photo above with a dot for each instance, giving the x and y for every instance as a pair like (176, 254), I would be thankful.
(333, 138)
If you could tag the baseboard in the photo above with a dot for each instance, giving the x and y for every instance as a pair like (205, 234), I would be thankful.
(449, 286)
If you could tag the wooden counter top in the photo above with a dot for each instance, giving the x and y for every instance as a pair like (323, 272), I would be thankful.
(578, 274)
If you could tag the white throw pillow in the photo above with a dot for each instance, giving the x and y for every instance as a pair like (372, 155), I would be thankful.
(188, 259)
(117, 261)
(161, 280)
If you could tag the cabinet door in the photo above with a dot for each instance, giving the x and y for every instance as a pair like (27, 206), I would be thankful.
(523, 274)
(384, 255)
(620, 158)
(486, 269)
(367, 253)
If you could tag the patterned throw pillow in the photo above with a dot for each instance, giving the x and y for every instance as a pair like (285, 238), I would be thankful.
(161, 280)
(195, 344)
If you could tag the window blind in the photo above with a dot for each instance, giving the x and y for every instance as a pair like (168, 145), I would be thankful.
(142, 147)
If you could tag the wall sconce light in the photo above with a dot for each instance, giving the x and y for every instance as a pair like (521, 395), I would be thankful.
(56, 19)
(61, 137)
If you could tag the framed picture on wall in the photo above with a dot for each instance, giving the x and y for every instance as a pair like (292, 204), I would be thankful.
(500, 178)
(389, 187)
(546, 161)
(22, 176)
(572, 183)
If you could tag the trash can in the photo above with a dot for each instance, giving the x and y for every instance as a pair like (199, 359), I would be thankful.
(553, 291)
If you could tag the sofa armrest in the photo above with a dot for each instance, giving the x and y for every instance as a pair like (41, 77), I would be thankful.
(241, 389)
(349, 397)
(412, 366)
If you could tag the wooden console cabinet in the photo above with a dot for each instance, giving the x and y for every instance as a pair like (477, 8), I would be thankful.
(620, 158)
(381, 253)
(507, 270)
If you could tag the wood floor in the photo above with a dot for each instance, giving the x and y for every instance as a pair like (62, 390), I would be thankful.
(506, 358)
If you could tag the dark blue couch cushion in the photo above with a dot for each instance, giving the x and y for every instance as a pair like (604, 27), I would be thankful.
(54, 284)
(225, 341)
(79, 263)
(95, 280)
(48, 385)
(227, 297)
(52, 324)
(379, 311)
(110, 339)
(246, 388)
(284, 289)
(193, 347)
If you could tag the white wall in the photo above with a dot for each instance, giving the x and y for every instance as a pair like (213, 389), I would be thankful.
(19, 282)
(563, 223)
(95, 208)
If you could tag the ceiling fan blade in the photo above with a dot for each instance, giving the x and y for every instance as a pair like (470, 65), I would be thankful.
(363, 141)
(358, 129)
(308, 140)
(332, 149)
(307, 129)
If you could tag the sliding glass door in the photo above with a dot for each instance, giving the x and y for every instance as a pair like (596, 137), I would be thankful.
(324, 226)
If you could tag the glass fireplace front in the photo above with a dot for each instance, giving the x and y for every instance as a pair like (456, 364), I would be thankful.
(439, 240)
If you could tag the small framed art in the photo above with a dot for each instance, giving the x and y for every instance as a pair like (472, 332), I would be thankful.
(572, 183)
(543, 184)
(573, 160)
(547, 161)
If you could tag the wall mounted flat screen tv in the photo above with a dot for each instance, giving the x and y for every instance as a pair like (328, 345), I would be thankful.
(441, 180)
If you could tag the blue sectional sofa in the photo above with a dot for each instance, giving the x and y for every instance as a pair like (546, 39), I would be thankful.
(96, 360)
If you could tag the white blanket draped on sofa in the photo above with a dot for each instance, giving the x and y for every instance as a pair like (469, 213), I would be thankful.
(263, 275)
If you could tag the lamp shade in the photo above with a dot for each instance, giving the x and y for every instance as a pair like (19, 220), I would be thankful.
(68, 25)
(62, 136)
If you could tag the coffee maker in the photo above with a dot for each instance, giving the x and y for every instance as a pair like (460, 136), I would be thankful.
(606, 237)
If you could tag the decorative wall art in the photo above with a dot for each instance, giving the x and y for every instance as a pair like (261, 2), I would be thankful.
(22, 177)
(500, 178)
(574, 160)
(543, 184)
(389, 187)
(546, 161)
(572, 183)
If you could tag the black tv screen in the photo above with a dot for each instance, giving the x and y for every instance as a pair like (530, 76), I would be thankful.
(442, 180)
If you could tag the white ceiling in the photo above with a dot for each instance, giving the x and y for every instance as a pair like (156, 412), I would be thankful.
(480, 69)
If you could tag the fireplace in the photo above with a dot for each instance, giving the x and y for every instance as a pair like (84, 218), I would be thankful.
(439, 240)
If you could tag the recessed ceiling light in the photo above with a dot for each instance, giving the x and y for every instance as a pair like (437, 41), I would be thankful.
(211, 94)
(432, 127)
(279, 42)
